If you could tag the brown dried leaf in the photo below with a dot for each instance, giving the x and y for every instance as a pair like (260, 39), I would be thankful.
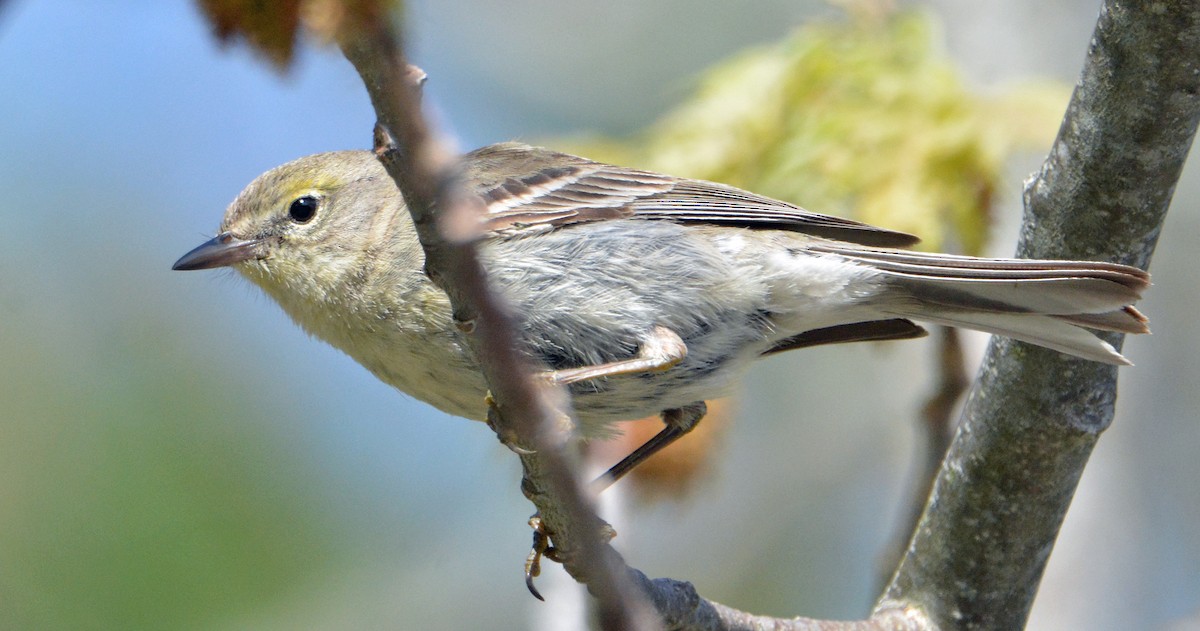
(271, 26)
(268, 26)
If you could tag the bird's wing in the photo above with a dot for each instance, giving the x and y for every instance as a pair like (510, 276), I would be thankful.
(528, 189)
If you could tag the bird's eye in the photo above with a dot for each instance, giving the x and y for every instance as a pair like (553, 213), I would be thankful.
(303, 209)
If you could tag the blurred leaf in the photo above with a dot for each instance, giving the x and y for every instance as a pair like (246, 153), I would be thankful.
(865, 118)
(268, 26)
(677, 471)
(271, 26)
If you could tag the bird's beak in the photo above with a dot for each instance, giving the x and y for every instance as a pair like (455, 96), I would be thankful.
(220, 251)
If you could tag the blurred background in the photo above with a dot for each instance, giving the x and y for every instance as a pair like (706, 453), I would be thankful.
(175, 454)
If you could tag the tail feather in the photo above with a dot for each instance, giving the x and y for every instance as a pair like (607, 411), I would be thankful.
(1037, 301)
(1126, 320)
(976, 268)
(1042, 330)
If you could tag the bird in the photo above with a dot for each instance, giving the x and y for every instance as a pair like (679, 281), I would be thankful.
(641, 292)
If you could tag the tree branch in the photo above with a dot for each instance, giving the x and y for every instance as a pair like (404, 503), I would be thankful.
(529, 414)
(1033, 417)
(680, 607)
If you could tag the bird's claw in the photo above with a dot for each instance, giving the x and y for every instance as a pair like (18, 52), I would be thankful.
(506, 437)
(541, 548)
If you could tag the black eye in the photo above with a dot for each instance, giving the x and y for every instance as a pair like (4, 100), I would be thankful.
(303, 209)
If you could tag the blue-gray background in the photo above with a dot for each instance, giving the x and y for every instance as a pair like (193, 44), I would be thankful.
(174, 453)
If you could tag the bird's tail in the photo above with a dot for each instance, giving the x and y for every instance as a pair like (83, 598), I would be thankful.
(1036, 301)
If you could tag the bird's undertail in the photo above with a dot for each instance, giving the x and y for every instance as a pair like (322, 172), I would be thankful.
(1036, 329)
(1036, 301)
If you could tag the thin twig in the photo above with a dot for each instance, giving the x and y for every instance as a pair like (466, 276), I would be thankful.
(937, 423)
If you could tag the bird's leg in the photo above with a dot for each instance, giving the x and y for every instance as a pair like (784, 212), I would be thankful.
(678, 421)
(660, 351)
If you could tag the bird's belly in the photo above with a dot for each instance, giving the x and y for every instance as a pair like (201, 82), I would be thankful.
(446, 377)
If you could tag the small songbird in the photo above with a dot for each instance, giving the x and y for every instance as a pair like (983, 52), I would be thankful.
(643, 292)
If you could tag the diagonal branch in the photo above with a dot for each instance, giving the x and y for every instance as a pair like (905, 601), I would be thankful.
(529, 413)
(1033, 417)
